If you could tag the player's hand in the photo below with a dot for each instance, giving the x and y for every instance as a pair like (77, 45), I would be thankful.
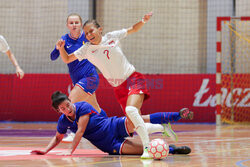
(38, 152)
(147, 16)
(60, 44)
(66, 153)
(19, 72)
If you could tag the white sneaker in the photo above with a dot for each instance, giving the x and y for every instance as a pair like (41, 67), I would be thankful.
(69, 138)
(147, 162)
(145, 154)
(169, 132)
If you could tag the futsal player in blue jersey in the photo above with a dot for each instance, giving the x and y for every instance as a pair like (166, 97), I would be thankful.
(107, 134)
(83, 74)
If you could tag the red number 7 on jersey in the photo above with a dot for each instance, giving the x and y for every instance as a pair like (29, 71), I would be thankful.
(107, 53)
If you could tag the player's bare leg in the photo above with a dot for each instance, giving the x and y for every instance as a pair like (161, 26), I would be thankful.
(132, 147)
(77, 95)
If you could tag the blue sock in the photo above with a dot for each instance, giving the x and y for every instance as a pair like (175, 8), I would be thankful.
(164, 117)
(103, 113)
(171, 150)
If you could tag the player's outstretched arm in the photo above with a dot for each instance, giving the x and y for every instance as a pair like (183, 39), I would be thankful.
(19, 71)
(136, 27)
(82, 124)
(65, 57)
(53, 143)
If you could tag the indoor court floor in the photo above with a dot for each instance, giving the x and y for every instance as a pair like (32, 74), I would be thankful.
(212, 146)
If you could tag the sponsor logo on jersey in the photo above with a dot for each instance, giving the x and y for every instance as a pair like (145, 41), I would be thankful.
(93, 51)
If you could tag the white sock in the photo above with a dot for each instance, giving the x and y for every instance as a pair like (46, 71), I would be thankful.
(139, 124)
(152, 128)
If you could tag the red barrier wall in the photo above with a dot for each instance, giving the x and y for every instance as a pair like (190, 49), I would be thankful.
(29, 99)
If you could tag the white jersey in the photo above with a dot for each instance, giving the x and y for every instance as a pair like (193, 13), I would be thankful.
(108, 57)
(4, 47)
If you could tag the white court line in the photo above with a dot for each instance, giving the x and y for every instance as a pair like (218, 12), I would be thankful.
(16, 152)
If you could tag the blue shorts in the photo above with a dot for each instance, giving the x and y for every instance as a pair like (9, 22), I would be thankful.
(121, 132)
(89, 84)
(113, 142)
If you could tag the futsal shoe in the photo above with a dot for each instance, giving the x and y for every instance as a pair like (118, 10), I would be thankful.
(69, 138)
(145, 154)
(169, 132)
(147, 162)
(186, 114)
(180, 150)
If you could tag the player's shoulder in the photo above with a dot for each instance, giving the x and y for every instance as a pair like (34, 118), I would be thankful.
(82, 105)
(83, 108)
(109, 34)
(65, 37)
(114, 34)
(62, 119)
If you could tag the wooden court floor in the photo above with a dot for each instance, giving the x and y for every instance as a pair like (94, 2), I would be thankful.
(224, 146)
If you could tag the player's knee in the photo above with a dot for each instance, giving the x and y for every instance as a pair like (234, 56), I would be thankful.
(130, 110)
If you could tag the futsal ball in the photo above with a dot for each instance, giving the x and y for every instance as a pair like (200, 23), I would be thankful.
(158, 149)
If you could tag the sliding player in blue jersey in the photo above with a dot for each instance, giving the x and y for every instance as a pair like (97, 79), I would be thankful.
(107, 134)
(83, 74)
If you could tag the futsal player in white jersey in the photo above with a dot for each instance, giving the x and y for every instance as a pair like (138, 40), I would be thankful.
(105, 53)
(4, 47)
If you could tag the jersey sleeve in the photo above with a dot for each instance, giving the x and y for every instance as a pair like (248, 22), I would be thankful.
(54, 54)
(119, 34)
(61, 125)
(81, 52)
(4, 47)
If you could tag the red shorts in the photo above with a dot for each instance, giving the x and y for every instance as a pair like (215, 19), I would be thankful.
(135, 84)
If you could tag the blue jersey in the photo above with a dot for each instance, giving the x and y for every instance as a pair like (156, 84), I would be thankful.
(107, 134)
(77, 69)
